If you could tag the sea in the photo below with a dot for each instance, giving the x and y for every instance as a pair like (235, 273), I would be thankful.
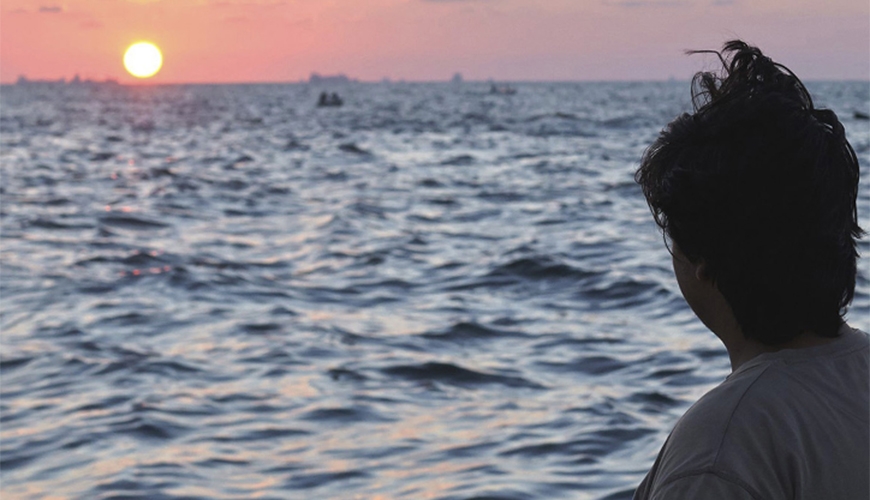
(430, 292)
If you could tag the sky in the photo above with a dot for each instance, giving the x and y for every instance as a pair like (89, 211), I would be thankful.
(227, 41)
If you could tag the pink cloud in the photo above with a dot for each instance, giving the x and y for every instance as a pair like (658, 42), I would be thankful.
(91, 24)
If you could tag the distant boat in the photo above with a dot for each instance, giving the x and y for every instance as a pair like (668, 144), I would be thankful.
(76, 81)
(340, 78)
(502, 89)
(860, 115)
(329, 100)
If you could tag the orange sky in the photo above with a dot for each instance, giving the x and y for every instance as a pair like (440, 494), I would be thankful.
(286, 40)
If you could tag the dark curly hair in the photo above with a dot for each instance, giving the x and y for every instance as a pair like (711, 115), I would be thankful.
(762, 186)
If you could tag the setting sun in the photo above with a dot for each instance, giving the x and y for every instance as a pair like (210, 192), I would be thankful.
(143, 59)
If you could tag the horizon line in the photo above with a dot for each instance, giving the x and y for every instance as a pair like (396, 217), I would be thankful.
(351, 81)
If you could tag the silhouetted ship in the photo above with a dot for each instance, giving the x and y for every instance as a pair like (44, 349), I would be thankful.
(318, 79)
(24, 81)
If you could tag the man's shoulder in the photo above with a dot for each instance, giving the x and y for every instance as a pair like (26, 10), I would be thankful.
(693, 447)
(775, 414)
(778, 388)
(778, 394)
(701, 432)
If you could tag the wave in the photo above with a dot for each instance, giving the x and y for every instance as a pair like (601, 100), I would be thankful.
(451, 374)
(542, 267)
(131, 222)
(460, 160)
(344, 415)
(590, 365)
(44, 223)
(466, 331)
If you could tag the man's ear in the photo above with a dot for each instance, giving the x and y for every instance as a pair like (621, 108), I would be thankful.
(702, 271)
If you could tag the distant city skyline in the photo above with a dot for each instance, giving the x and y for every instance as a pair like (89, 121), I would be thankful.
(226, 41)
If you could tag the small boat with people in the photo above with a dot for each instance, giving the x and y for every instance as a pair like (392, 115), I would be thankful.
(329, 100)
(502, 89)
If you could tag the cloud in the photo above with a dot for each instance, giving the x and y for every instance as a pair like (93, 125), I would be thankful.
(646, 3)
(249, 3)
(51, 9)
(91, 25)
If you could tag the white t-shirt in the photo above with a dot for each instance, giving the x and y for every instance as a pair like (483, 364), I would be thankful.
(792, 425)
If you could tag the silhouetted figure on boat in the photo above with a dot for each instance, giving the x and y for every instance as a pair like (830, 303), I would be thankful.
(502, 89)
(327, 100)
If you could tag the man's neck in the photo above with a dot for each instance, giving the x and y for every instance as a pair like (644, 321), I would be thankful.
(740, 349)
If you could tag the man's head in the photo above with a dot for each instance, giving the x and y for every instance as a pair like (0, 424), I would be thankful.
(761, 187)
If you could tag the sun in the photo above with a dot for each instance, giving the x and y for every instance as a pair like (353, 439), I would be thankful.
(143, 59)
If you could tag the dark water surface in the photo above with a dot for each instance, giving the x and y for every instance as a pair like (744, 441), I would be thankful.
(429, 293)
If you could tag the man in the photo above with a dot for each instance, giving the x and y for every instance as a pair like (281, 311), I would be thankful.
(756, 195)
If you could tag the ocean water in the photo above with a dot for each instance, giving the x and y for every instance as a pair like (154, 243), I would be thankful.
(429, 293)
